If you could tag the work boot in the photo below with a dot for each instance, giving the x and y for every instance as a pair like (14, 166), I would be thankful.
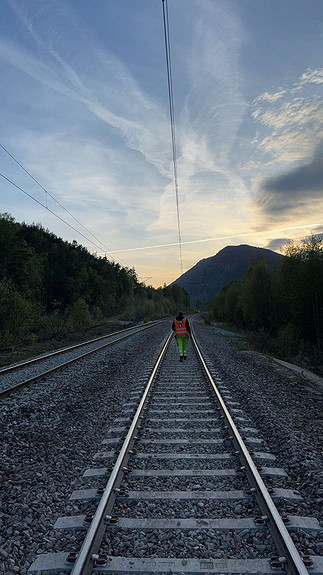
(181, 358)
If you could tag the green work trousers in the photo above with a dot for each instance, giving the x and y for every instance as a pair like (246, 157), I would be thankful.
(182, 344)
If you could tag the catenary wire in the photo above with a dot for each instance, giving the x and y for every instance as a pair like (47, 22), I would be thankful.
(107, 249)
(49, 194)
(172, 120)
(173, 138)
(54, 214)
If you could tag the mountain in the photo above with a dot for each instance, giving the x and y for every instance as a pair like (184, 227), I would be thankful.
(209, 275)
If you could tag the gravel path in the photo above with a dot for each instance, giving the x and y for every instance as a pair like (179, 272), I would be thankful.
(52, 430)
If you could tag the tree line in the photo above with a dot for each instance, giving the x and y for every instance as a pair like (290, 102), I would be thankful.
(285, 306)
(49, 286)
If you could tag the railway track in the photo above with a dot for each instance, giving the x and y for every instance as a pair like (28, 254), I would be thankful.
(183, 484)
(17, 376)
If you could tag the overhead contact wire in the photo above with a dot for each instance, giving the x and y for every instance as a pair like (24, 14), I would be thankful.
(51, 196)
(53, 213)
(108, 250)
(48, 209)
(172, 120)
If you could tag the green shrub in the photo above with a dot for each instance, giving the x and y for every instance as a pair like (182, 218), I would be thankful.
(51, 325)
(18, 315)
(78, 315)
(262, 341)
(289, 340)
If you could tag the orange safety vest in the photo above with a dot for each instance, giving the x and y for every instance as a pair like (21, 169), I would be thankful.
(180, 327)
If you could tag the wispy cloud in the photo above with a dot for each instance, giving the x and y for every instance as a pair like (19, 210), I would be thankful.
(294, 126)
(114, 187)
(267, 97)
(215, 79)
(94, 78)
(227, 237)
(88, 118)
(90, 179)
(312, 77)
(212, 115)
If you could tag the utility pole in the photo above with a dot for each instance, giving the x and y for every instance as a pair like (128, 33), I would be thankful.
(132, 296)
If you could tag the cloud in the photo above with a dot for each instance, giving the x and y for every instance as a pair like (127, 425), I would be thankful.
(292, 122)
(208, 125)
(312, 76)
(91, 77)
(267, 97)
(290, 191)
(299, 111)
(296, 129)
(96, 83)
(209, 130)
(278, 244)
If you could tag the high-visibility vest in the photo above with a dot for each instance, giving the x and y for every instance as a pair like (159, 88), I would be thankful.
(180, 327)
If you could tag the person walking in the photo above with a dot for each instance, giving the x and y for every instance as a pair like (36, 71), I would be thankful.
(182, 331)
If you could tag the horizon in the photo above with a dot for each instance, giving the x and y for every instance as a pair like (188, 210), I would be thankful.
(86, 141)
(179, 277)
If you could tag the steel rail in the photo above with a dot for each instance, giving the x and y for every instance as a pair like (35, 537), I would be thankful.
(293, 563)
(12, 389)
(28, 362)
(85, 561)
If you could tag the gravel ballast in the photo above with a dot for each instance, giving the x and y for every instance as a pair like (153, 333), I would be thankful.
(286, 409)
(52, 430)
(50, 433)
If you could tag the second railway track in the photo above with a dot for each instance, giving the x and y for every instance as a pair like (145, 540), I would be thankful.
(17, 376)
(178, 491)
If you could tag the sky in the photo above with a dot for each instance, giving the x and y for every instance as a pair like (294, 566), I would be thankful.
(85, 131)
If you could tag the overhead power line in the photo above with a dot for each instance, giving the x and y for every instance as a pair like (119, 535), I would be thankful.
(106, 249)
(48, 209)
(49, 194)
(172, 119)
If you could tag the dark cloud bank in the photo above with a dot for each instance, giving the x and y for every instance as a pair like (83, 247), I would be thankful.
(293, 189)
(276, 245)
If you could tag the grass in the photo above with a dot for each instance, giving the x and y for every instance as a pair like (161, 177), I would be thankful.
(303, 355)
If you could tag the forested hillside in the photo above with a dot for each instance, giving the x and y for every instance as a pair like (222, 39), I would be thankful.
(204, 280)
(284, 306)
(49, 286)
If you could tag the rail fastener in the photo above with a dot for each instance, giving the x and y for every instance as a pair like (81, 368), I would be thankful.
(261, 519)
(308, 562)
(127, 469)
(250, 491)
(112, 519)
(277, 562)
(100, 560)
(285, 518)
(121, 492)
(71, 558)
